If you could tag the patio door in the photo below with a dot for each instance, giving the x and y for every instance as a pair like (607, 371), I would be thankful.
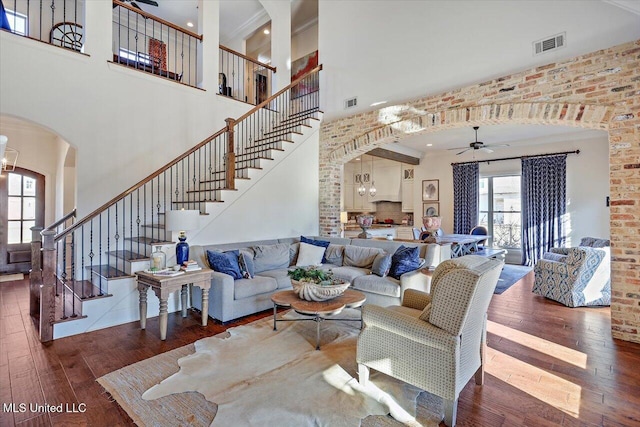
(500, 212)
(22, 201)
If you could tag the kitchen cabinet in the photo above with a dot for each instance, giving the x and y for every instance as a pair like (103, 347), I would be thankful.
(354, 172)
(404, 233)
(407, 188)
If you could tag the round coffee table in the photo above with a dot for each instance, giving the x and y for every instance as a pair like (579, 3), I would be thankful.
(319, 310)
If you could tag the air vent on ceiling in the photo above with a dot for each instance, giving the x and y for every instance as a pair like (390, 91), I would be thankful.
(550, 43)
(351, 102)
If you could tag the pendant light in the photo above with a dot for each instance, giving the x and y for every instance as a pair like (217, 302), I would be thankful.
(372, 189)
(361, 190)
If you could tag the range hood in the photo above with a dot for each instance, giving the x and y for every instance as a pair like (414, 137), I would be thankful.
(388, 181)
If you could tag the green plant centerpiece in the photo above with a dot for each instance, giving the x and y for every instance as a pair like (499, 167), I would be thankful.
(313, 284)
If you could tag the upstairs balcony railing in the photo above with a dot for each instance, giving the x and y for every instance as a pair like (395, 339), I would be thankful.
(77, 260)
(58, 22)
(152, 45)
(244, 78)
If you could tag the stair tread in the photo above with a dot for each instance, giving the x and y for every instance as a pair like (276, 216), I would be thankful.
(147, 240)
(277, 137)
(108, 272)
(267, 143)
(198, 201)
(206, 191)
(208, 181)
(128, 255)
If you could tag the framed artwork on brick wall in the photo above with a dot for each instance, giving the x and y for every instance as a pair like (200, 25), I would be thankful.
(430, 190)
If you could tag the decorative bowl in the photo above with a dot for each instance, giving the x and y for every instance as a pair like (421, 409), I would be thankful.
(310, 291)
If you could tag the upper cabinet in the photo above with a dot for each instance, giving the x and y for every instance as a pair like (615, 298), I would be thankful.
(407, 187)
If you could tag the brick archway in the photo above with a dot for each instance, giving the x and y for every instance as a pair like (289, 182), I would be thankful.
(561, 113)
(598, 90)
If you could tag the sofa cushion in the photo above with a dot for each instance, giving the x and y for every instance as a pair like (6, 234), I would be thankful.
(404, 260)
(348, 274)
(270, 257)
(321, 243)
(245, 288)
(280, 276)
(334, 254)
(381, 265)
(360, 256)
(225, 262)
(310, 255)
(377, 285)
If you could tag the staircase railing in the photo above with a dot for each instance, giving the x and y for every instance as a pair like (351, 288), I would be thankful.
(243, 78)
(108, 240)
(148, 43)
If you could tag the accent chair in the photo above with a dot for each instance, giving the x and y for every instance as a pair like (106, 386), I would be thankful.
(434, 341)
(578, 276)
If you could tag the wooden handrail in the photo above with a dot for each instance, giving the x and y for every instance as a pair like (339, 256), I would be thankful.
(158, 19)
(262, 64)
(133, 188)
(62, 220)
(277, 94)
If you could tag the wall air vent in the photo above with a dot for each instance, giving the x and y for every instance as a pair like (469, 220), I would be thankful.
(549, 44)
(351, 102)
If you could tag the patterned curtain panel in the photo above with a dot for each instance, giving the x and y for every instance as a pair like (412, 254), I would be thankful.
(544, 188)
(466, 180)
(158, 54)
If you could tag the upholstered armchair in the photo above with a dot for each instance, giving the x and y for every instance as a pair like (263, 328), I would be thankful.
(433, 341)
(578, 276)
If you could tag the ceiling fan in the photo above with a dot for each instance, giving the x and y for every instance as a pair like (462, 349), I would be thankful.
(478, 145)
(134, 4)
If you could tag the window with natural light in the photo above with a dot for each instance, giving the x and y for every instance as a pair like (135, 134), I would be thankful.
(500, 210)
(141, 58)
(17, 22)
(21, 208)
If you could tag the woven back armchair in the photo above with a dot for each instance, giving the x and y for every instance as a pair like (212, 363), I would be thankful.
(434, 341)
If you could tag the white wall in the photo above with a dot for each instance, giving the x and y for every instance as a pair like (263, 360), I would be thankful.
(304, 42)
(587, 182)
(282, 203)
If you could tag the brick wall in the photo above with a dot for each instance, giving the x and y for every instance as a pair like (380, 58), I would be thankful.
(600, 90)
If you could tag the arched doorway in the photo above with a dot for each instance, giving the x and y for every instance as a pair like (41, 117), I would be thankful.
(22, 194)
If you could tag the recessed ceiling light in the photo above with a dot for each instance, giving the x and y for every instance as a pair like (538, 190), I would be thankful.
(378, 103)
(266, 31)
(429, 145)
(190, 24)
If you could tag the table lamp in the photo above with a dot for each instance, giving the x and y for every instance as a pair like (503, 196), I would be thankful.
(182, 221)
(344, 218)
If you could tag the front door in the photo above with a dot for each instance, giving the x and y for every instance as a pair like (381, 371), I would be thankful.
(22, 201)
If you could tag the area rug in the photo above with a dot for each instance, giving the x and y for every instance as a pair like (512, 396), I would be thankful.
(11, 277)
(252, 375)
(509, 276)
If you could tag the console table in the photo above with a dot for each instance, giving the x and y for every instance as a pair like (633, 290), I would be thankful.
(164, 286)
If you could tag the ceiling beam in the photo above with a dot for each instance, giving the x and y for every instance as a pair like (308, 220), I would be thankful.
(392, 155)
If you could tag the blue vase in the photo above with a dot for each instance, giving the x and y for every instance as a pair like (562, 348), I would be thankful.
(182, 250)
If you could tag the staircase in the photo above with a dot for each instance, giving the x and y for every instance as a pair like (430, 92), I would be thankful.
(88, 279)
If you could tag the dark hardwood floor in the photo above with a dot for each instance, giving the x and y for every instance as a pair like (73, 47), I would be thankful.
(548, 365)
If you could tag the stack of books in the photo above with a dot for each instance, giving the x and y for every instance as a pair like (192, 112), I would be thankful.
(190, 266)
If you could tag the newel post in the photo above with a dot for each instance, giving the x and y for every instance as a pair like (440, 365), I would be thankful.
(230, 160)
(35, 274)
(48, 287)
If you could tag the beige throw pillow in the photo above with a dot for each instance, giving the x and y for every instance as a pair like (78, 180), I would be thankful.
(309, 255)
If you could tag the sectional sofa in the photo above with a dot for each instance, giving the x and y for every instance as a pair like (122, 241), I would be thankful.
(270, 260)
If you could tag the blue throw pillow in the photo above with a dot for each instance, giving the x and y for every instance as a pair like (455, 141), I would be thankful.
(322, 243)
(381, 265)
(225, 262)
(404, 260)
